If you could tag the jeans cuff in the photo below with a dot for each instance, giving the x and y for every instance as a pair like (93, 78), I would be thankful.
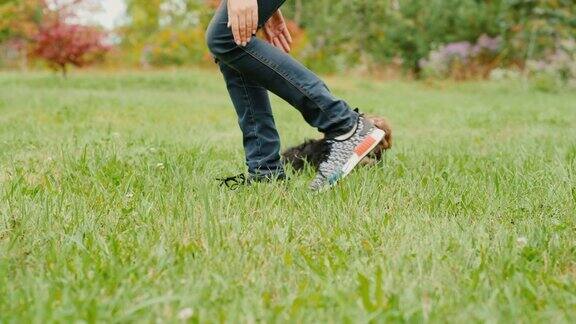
(344, 129)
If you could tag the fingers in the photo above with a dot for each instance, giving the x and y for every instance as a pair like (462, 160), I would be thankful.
(268, 38)
(285, 44)
(234, 24)
(286, 34)
(279, 41)
(254, 21)
(280, 44)
(276, 42)
(242, 27)
(269, 33)
(249, 27)
(251, 24)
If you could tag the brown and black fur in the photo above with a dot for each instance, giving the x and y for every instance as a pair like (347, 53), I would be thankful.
(312, 152)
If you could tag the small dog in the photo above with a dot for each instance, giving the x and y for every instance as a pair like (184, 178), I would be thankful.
(314, 151)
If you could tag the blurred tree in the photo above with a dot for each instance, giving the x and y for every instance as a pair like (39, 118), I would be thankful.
(62, 44)
(144, 18)
(50, 30)
(19, 19)
(22, 18)
(535, 28)
(333, 35)
(19, 22)
(166, 32)
(376, 32)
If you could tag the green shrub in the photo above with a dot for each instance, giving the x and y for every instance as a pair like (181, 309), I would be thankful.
(379, 31)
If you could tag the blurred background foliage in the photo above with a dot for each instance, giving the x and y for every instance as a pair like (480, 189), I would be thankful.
(460, 39)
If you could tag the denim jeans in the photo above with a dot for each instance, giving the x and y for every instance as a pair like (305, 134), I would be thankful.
(253, 70)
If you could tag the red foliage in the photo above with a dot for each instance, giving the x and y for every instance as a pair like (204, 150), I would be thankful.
(213, 3)
(62, 44)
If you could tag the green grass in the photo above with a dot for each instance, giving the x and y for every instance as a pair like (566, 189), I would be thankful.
(109, 210)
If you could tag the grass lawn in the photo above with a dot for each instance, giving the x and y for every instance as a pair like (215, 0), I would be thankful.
(109, 210)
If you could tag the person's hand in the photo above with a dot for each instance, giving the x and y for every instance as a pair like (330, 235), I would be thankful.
(243, 19)
(276, 32)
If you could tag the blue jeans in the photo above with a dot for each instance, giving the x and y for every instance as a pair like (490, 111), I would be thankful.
(253, 70)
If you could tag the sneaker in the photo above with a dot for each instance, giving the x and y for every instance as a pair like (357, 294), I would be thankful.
(234, 182)
(344, 154)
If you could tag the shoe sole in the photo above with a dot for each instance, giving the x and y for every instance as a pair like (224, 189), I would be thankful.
(360, 152)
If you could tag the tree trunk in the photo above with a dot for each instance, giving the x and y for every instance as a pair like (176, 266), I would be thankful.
(64, 70)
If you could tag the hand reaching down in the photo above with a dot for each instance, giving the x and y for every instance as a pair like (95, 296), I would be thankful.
(276, 32)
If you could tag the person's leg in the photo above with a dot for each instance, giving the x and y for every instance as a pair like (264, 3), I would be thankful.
(278, 72)
(260, 138)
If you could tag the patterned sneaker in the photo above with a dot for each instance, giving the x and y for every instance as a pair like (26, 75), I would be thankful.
(237, 181)
(344, 154)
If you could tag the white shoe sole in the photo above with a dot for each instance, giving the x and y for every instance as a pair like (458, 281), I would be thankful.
(360, 152)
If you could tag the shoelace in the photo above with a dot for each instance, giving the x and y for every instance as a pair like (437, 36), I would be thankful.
(233, 182)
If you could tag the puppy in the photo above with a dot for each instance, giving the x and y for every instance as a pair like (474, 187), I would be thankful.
(314, 151)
